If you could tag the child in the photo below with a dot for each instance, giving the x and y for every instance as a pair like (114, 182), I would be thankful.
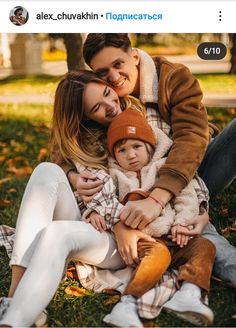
(135, 171)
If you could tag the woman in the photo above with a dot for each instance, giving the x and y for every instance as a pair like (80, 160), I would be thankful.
(49, 232)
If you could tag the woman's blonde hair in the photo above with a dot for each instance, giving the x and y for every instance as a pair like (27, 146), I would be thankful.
(74, 139)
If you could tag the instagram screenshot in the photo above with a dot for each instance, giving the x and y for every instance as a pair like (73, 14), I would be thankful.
(117, 163)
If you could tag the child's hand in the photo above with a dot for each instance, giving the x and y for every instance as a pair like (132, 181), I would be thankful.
(97, 221)
(178, 235)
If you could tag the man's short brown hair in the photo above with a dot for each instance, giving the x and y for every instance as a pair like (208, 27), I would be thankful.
(95, 42)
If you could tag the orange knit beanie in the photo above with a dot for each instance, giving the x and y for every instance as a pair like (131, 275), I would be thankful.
(130, 124)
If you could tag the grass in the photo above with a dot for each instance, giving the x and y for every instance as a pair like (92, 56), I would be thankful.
(45, 84)
(29, 84)
(24, 131)
(217, 83)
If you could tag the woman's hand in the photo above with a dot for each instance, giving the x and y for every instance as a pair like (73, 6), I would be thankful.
(199, 222)
(137, 214)
(86, 184)
(97, 221)
(127, 240)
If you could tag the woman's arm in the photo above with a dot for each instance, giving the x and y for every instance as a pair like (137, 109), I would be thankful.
(105, 202)
(127, 240)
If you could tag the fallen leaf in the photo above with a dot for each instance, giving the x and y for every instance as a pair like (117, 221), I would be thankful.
(231, 111)
(5, 180)
(224, 212)
(4, 202)
(112, 300)
(2, 158)
(12, 190)
(149, 323)
(6, 150)
(23, 171)
(226, 231)
(16, 145)
(42, 153)
(76, 291)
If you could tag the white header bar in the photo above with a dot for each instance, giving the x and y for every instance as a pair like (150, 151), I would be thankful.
(131, 16)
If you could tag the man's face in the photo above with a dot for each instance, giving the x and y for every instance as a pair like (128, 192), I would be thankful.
(118, 68)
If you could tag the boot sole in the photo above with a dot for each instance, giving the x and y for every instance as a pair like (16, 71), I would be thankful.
(197, 319)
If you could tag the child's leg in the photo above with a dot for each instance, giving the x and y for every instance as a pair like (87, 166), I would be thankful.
(195, 262)
(155, 259)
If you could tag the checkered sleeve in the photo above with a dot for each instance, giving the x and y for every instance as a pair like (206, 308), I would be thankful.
(105, 202)
(202, 194)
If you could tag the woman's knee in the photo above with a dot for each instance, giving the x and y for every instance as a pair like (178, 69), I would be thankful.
(57, 232)
(46, 173)
(47, 169)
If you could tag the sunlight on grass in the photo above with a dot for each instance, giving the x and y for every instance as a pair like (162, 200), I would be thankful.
(217, 83)
(35, 112)
(29, 85)
(43, 84)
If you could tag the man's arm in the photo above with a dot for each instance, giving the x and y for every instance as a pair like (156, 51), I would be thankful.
(188, 119)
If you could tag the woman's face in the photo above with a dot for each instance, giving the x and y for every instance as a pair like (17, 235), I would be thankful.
(101, 103)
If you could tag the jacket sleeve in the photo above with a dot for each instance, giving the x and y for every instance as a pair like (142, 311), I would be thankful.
(105, 202)
(191, 201)
(190, 132)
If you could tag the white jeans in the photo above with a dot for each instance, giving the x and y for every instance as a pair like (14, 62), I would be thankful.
(48, 234)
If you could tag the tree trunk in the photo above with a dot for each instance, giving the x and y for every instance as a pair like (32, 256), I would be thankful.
(233, 54)
(73, 44)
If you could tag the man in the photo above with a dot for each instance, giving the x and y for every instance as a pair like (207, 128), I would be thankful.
(173, 91)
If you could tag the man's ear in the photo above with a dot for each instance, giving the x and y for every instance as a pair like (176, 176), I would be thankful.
(135, 55)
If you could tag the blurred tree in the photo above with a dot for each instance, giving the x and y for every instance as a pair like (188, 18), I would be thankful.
(73, 44)
(233, 54)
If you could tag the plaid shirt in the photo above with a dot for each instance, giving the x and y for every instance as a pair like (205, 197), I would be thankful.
(7, 238)
(106, 202)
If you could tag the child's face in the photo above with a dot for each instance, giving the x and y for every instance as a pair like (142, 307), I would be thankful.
(101, 103)
(132, 155)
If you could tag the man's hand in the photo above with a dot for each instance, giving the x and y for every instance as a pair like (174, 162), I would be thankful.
(97, 221)
(178, 235)
(199, 222)
(137, 214)
(86, 185)
(127, 240)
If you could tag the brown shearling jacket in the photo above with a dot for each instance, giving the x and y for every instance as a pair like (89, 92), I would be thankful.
(180, 105)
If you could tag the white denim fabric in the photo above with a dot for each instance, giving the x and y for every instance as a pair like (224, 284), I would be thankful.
(49, 233)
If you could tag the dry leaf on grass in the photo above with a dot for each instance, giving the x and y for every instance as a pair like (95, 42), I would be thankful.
(226, 231)
(111, 300)
(16, 145)
(76, 291)
(224, 211)
(11, 190)
(42, 153)
(4, 202)
(5, 180)
(2, 158)
(23, 171)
